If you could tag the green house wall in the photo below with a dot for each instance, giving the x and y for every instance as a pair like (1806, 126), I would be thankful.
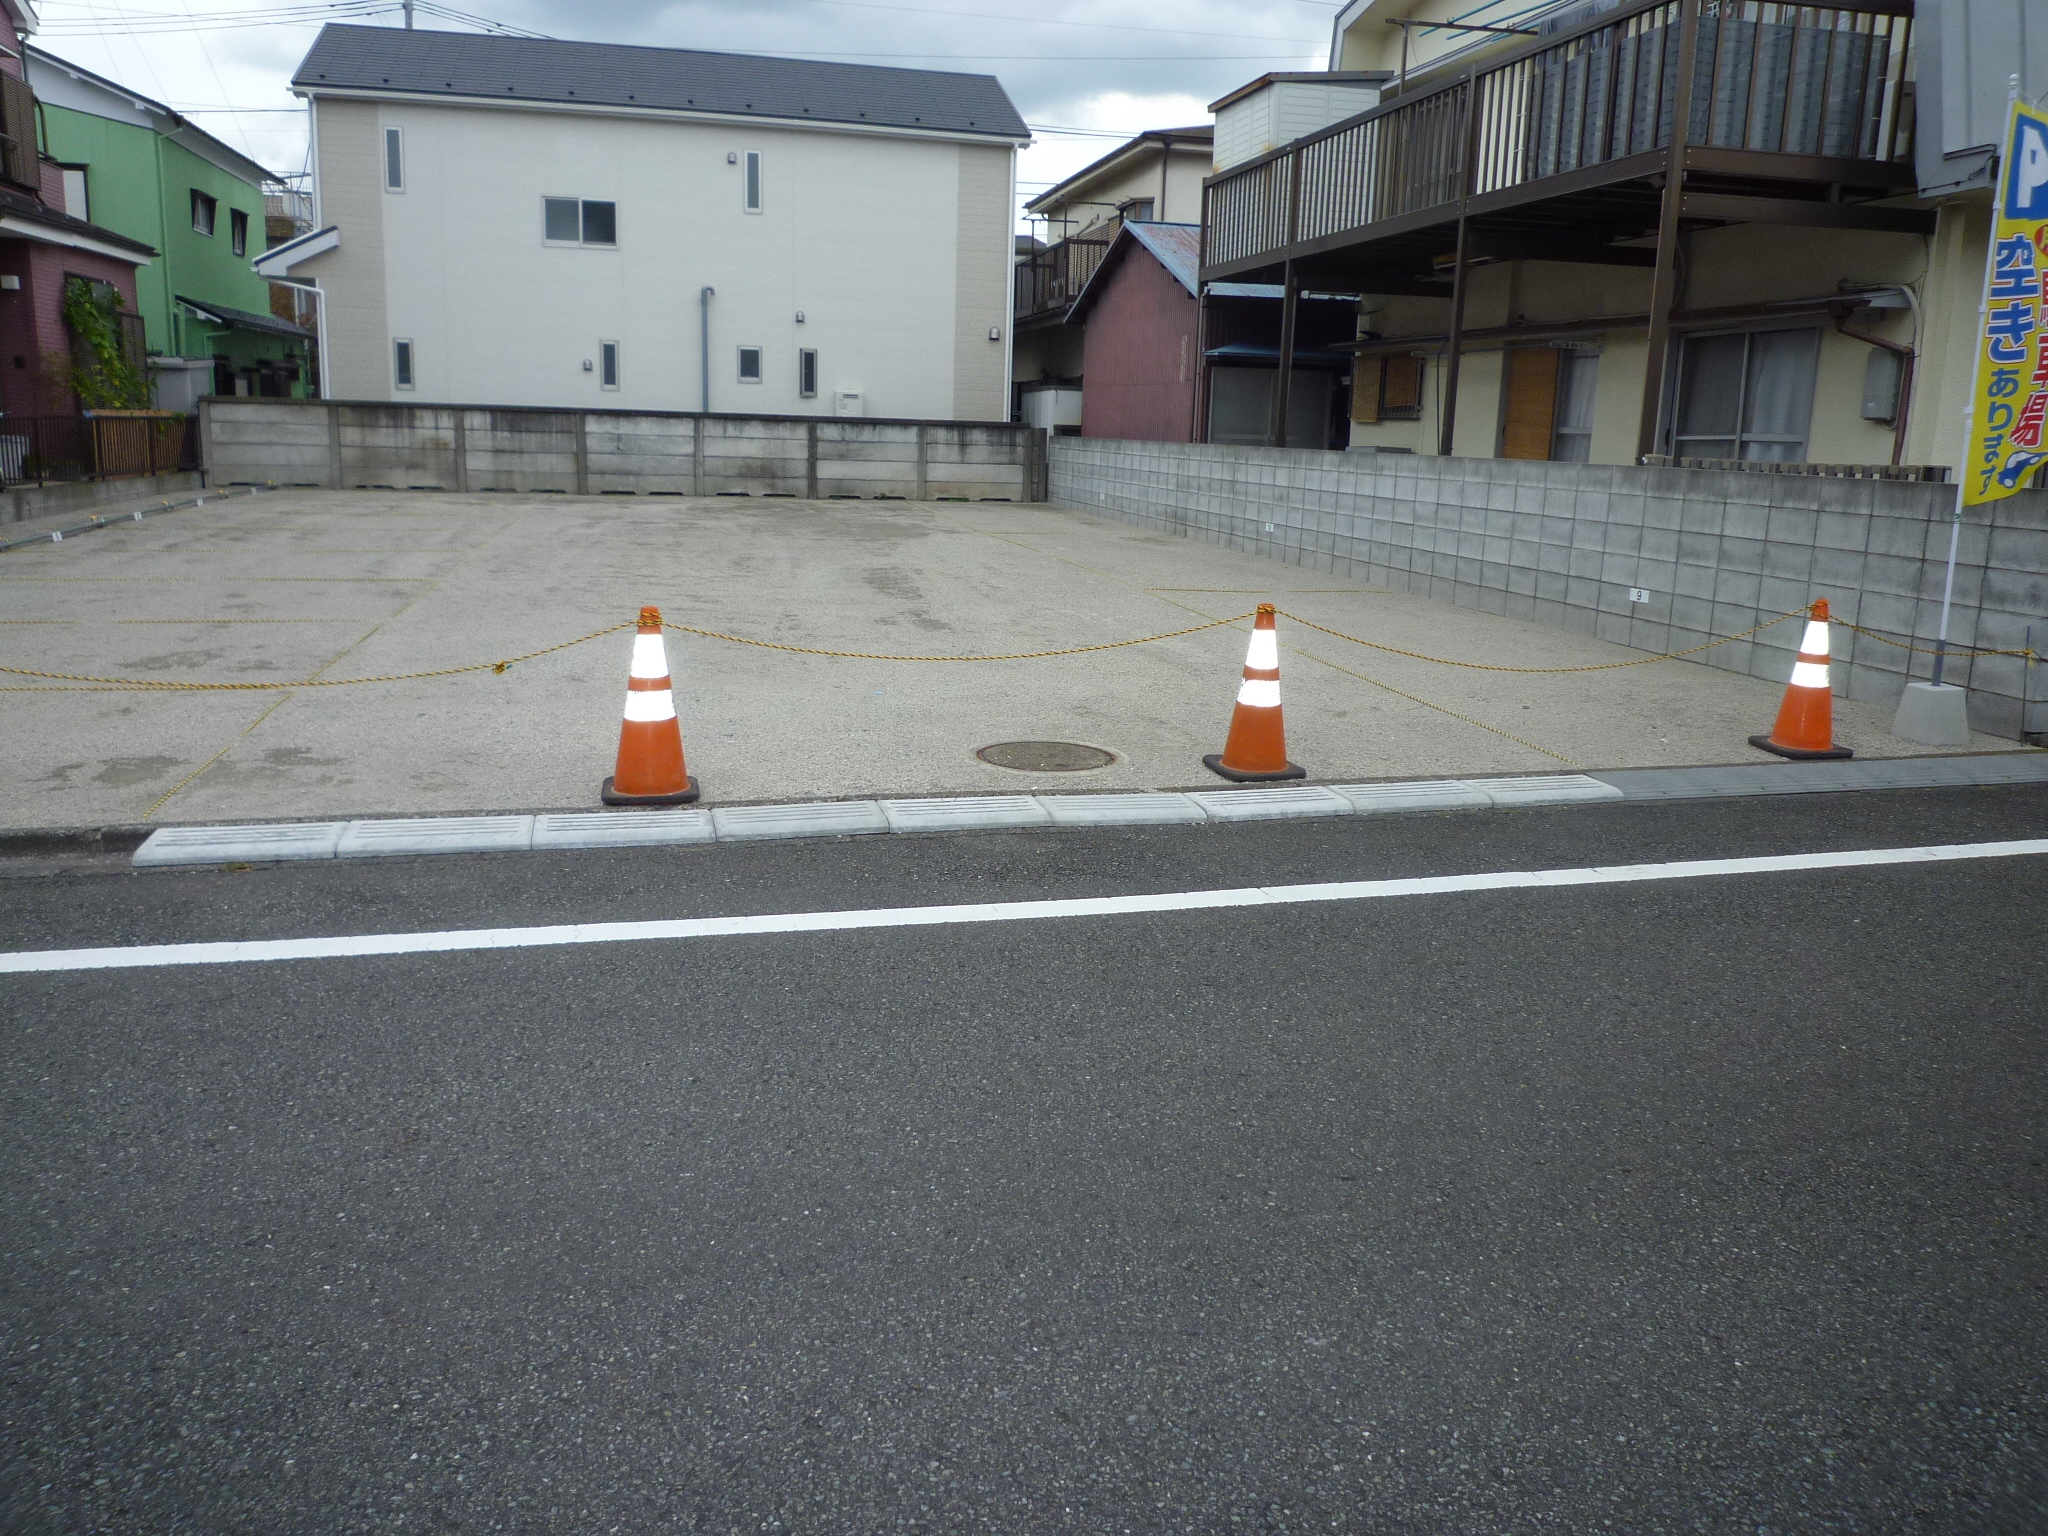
(140, 184)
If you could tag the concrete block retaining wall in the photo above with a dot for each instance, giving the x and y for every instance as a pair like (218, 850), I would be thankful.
(346, 445)
(1716, 551)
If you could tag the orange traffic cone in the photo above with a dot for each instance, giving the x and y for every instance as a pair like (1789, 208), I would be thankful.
(650, 770)
(1256, 749)
(1806, 720)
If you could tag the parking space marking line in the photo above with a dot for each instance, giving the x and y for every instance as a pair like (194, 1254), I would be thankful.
(347, 946)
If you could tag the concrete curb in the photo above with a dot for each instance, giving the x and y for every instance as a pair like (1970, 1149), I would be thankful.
(550, 831)
(849, 818)
(134, 515)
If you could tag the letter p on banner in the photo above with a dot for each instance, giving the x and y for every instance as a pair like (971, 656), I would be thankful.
(2003, 446)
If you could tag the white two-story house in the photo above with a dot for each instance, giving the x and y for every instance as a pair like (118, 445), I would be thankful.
(509, 221)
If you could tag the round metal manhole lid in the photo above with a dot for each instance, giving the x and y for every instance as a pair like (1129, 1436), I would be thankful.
(1046, 756)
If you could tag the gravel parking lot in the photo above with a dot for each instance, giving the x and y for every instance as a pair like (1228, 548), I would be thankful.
(284, 587)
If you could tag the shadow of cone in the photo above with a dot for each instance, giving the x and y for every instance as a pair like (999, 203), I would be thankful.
(1255, 751)
(1806, 719)
(650, 768)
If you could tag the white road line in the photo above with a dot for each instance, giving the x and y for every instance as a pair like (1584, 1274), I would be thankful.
(143, 955)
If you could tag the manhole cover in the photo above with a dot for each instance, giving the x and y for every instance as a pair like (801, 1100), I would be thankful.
(1046, 756)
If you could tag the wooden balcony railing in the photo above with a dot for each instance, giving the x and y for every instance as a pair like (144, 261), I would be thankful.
(1827, 82)
(1049, 281)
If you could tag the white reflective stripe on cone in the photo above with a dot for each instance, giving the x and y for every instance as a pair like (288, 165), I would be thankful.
(1809, 674)
(649, 659)
(1260, 692)
(1816, 641)
(651, 706)
(1263, 654)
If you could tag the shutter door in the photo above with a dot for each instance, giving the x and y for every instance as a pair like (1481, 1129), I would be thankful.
(1530, 420)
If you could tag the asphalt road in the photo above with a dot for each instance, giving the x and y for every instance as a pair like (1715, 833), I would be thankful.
(1708, 1205)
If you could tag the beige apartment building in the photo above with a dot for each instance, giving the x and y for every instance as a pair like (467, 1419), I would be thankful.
(1155, 177)
(1545, 268)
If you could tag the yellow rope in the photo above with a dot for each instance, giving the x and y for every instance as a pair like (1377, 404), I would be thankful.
(1480, 666)
(1929, 650)
(161, 685)
(1072, 650)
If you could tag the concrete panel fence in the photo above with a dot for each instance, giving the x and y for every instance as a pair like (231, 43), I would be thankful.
(1656, 558)
(348, 445)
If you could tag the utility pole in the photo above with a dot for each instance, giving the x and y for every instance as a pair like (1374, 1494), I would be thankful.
(407, 6)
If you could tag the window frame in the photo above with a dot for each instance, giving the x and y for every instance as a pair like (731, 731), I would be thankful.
(753, 183)
(807, 373)
(740, 362)
(394, 158)
(1740, 436)
(211, 204)
(238, 231)
(582, 205)
(1569, 361)
(405, 363)
(84, 175)
(608, 365)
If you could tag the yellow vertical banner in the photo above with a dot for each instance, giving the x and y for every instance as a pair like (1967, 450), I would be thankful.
(2009, 403)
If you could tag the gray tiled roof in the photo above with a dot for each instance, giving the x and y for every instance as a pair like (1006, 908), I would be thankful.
(467, 64)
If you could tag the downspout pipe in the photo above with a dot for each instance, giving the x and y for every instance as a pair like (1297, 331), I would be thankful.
(704, 296)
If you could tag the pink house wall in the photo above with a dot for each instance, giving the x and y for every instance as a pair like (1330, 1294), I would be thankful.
(1139, 360)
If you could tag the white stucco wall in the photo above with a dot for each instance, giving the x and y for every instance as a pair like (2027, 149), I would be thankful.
(457, 263)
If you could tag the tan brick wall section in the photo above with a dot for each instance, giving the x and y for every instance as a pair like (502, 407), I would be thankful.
(981, 292)
(352, 198)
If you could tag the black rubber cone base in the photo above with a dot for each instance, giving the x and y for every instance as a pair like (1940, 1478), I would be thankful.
(1802, 754)
(1214, 763)
(611, 796)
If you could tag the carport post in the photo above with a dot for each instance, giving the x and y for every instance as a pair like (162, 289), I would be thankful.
(1283, 365)
(1461, 260)
(1664, 284)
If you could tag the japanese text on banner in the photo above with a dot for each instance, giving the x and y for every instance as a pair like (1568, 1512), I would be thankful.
(2009, 407)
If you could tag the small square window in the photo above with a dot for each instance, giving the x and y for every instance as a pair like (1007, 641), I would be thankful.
(753, 181)
(807, 372)
(600, 223)
(750, 365)
(607, 365)
(401, 364)
(238, 231)
(394, 160)
(203, 208)
(564, 219)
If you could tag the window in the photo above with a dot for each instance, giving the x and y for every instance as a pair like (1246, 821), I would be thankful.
(401, 364)
(807, 372)
(394, 160)
(1746, 396)
(1571, 440)
(750, 365)
(203, 208)
(753, 181)
(1137, 211)
(577, 221)
(1386, 388)
(238, 231)
(607, 365)
(76, 202)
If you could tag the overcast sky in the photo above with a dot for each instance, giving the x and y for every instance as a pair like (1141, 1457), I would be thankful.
(1106, 65)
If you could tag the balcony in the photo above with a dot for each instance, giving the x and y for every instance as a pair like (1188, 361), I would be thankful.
(1049, 281)
(1794, 114)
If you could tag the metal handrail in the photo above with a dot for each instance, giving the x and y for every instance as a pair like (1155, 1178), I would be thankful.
(1581, 97)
